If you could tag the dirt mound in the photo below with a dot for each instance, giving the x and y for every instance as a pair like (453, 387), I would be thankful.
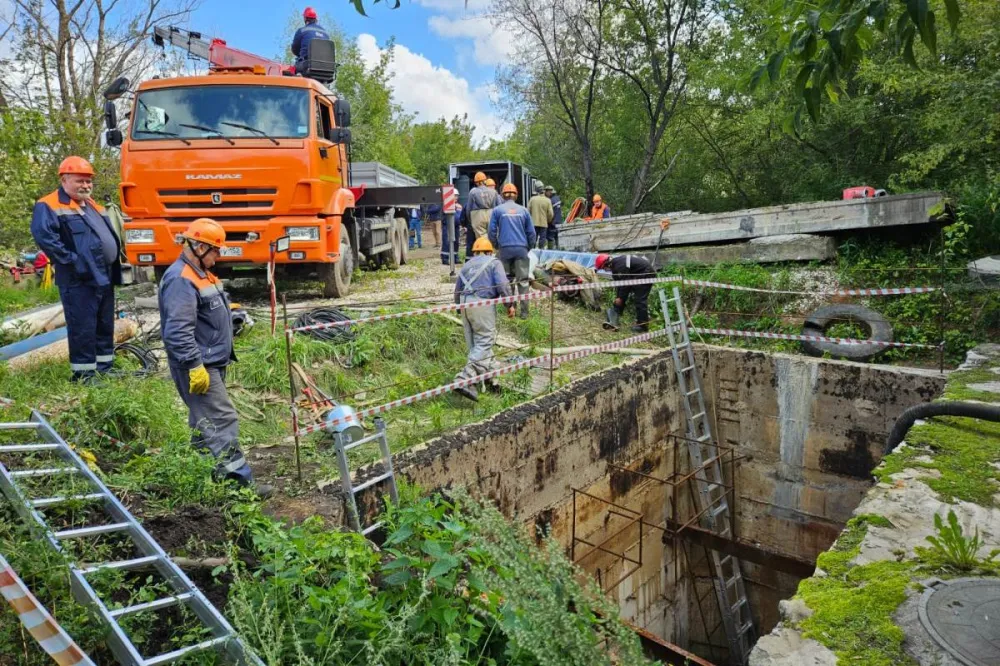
(173, 532)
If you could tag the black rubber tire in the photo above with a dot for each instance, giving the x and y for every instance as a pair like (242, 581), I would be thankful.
(821, 320)
(403, 230)
(158, 272)
(394, 257)
(337, 277)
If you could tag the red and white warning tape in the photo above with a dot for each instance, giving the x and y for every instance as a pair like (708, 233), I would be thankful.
(461, 383)
(42, 626)
(899, 291)
(811, 338)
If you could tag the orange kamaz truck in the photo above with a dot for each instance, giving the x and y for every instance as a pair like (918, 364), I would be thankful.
(264, 150)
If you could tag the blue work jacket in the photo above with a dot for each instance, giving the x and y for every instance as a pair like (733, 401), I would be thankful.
(194, 317)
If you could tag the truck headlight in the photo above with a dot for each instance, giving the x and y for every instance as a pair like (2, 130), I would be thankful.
(303, 233)
(139, 236)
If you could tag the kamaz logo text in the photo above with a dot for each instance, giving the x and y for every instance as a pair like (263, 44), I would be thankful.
(213, 176)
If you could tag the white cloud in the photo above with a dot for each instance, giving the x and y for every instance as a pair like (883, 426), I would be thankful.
(493, 44)
(434, 92)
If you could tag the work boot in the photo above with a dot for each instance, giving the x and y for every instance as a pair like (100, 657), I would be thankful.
(468, 392)
(524, 310)
(494, 387)
(640, 328)
(611, 323)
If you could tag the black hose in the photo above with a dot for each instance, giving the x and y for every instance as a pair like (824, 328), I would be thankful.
(326, 316)
(973, 410)
(147, 359)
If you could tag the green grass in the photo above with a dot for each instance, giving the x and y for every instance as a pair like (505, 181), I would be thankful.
(29, 295)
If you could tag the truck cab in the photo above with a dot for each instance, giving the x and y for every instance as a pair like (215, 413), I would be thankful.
(265, 156)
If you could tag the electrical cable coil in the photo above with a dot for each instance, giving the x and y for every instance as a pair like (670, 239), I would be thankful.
(325, 315)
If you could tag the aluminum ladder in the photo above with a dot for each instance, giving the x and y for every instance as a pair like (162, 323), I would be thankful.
(341, 447)
(710, 496)
(45, 439)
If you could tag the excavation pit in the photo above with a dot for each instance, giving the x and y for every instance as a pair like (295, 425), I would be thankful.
(602, 466)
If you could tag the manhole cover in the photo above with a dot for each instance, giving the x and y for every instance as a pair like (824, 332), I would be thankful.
(963, 616)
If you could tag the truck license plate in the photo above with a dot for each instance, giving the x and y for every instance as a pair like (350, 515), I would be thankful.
(232, 251)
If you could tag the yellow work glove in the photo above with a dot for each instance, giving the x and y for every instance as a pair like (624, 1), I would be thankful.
(199, 380)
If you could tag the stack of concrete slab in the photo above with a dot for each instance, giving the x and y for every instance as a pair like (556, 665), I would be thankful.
(773, 233)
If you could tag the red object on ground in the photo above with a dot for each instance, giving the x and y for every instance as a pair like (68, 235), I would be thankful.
(860, 192)
(41, 261)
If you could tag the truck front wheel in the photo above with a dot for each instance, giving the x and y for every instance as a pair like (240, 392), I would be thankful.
(337, 276)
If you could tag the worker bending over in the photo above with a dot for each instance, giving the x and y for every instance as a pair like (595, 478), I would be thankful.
(628, 267)
(513, 234)
(77, 236)
(541, 211)
(599, 210)
(310, 31)
(481, 277)
(482, 200)
(198, 337)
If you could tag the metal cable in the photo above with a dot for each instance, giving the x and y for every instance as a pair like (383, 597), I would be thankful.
(326, 315)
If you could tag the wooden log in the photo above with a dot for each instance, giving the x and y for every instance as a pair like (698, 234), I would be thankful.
(36, 321)
(59, 351)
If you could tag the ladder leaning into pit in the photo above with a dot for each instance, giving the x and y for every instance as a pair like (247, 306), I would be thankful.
(43, 439)
(710, 496)
(341, 446)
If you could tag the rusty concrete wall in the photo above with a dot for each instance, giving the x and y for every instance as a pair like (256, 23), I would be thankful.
(808, 432)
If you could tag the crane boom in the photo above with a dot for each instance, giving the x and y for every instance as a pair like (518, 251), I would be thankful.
(218, 54)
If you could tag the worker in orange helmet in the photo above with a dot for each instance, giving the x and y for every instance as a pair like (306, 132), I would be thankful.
(310, 31)
(482, 200)
(79, 239)
(197, 333)
(599, 210)
(512, 232)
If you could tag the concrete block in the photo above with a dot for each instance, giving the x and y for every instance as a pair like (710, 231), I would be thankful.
(986, 270)
(767, 250)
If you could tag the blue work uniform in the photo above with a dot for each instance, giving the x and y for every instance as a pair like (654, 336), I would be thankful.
(198, 330)
(300, 43)
(481, 277)
(512, 232)
(556, 221)
(416, 228)
(482, 200)
(85, 251)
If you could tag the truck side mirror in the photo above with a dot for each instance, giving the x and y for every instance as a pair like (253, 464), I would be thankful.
(116, 88)
(110, 115)
(340, 135)
(113, 137)
(342, 112)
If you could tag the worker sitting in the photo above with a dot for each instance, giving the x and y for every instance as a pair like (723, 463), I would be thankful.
(198, 338)
(628, 267)
(513, 234)
(542, 214)
(310, 31)
(481, 277)
(599, 210)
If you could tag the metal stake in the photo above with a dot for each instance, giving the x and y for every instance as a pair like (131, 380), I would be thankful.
(291, 389)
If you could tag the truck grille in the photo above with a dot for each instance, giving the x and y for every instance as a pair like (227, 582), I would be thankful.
(221, 198)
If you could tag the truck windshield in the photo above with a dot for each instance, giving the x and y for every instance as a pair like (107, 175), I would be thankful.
(219, 111)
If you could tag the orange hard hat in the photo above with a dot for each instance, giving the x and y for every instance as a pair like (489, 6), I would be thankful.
(482, 244)
(77, 165)
(309, 13)
(479, 177)
(490, 182)
(597, 198)
(509, 188)
(207, 231)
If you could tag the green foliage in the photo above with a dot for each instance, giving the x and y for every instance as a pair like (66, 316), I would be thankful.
(18, 299)
(22, 174)
(951, 549)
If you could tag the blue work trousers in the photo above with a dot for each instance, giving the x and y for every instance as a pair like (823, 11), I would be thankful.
(215, 424)
(416, 233)
(90, 328)
(540, 233)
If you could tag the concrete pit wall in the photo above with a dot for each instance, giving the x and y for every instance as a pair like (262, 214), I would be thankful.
(806, 433)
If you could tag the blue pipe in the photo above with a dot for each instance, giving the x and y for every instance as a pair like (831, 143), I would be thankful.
(31, 344)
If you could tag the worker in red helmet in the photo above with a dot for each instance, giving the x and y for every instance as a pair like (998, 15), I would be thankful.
(79, 239)
(308, 32)
(628, 267)
(197, 332)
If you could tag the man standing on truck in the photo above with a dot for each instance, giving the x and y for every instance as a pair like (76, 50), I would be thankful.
(310, 31)
(76, 235)
(628, 267)
(553, 239)
(198, 337)
(541, 214)
(513, 234)
(481, 277)
(482, 201)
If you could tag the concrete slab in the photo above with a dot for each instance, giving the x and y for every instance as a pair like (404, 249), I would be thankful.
(767, 250)
(643, 231)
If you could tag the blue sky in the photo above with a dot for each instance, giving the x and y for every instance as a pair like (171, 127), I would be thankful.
(446, 54)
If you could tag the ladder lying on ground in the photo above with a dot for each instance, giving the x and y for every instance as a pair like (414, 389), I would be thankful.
(710, 496)
(351, 491)
(45, 439)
